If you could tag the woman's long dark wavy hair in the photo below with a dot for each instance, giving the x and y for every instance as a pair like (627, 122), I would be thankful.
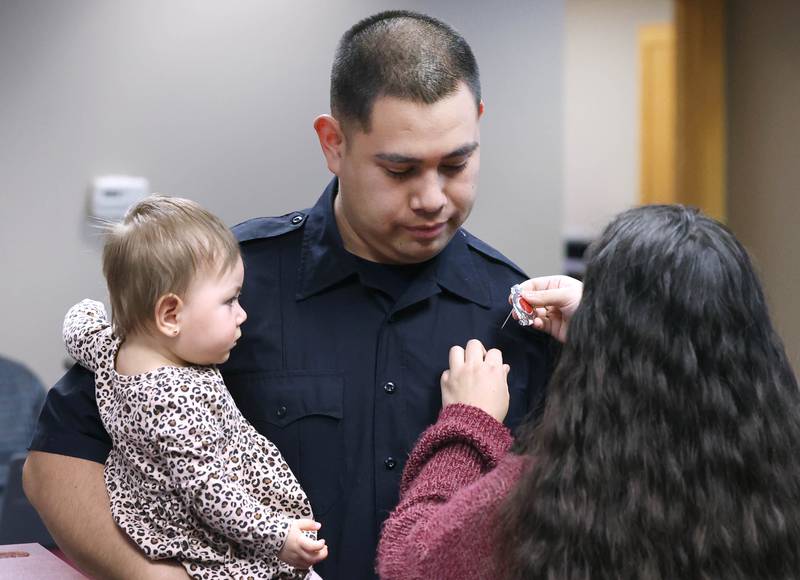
(670, 444)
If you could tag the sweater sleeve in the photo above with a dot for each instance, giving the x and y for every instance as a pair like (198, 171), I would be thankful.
(87, 333)
(191, 443)
(442, 492)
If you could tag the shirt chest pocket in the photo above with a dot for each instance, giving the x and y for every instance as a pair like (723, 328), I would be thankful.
(301, 413)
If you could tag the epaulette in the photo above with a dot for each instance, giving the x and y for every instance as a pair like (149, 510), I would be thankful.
(486, 250)
(269, 227)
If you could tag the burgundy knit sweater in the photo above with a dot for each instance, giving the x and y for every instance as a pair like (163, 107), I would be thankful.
(455, 479)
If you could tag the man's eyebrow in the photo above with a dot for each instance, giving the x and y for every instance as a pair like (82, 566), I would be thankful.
(463, 151)
(400, 159)
(396, 158)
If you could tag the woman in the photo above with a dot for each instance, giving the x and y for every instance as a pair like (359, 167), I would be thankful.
(669, 447)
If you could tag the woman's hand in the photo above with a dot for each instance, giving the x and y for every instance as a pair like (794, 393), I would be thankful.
(554, 299)
(477, 377)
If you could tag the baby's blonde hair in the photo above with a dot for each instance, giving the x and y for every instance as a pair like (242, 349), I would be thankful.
(158, 249)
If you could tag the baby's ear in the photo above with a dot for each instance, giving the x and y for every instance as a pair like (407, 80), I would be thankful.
(168, 315)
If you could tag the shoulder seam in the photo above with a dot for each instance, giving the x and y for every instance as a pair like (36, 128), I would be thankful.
(269, 227)
(478, 245)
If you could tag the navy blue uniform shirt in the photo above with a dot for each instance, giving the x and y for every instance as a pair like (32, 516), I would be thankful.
(340, 369)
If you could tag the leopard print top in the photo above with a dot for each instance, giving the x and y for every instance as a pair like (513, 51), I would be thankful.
(188, 477)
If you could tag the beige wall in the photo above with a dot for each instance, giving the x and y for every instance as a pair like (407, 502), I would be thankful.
(764, 150)
(214, 100)
(601, 108)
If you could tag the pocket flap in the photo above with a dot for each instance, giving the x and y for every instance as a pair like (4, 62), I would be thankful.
(280, 398)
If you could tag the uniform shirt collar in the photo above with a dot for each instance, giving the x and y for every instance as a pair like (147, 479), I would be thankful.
(324, 262)
(323, 259)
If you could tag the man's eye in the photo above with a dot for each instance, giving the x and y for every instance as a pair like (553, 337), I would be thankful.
(399, 173)
(454, 168)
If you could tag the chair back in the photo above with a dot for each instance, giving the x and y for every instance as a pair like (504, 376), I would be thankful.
(19, 522)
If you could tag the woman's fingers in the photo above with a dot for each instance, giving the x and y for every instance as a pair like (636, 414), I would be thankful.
(456, 357)
(494, 356)
(475, 351)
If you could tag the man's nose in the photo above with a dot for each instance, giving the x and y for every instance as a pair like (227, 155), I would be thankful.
(429, 196)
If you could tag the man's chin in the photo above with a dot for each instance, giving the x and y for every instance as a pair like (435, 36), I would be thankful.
(422, 251)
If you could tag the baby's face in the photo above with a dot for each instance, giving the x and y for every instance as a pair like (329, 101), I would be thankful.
(211, 317)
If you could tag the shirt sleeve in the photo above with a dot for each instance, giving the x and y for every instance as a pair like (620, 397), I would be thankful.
(191, 441)
(87, 333)
(69, 423)
(437, 494)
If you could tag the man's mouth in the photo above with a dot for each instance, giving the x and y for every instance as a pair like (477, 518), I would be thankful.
(426, 232)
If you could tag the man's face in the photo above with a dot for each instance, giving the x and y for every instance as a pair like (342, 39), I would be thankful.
(407, 186)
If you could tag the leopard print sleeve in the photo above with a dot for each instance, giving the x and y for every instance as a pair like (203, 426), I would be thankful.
(192, 443)
(87, 333)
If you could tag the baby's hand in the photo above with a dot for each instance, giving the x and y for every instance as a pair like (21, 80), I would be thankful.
(301, 551)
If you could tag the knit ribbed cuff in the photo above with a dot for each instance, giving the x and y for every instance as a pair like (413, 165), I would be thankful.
(460, 424)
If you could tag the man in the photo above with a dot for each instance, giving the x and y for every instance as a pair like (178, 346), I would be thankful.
(353, 306)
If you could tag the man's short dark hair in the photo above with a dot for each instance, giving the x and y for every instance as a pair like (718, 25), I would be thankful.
(399, 54)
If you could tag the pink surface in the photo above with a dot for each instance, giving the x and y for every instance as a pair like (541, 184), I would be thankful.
(39, 564)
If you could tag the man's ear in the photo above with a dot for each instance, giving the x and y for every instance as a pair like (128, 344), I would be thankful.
(168, 315)
(480, 109)
(331, 139)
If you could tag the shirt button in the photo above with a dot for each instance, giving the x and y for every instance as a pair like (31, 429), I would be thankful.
(389, 387)
(390, 463)
(281, 411)
(297, 219)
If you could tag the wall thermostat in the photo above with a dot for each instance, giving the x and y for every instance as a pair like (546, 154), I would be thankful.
(112, 195)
